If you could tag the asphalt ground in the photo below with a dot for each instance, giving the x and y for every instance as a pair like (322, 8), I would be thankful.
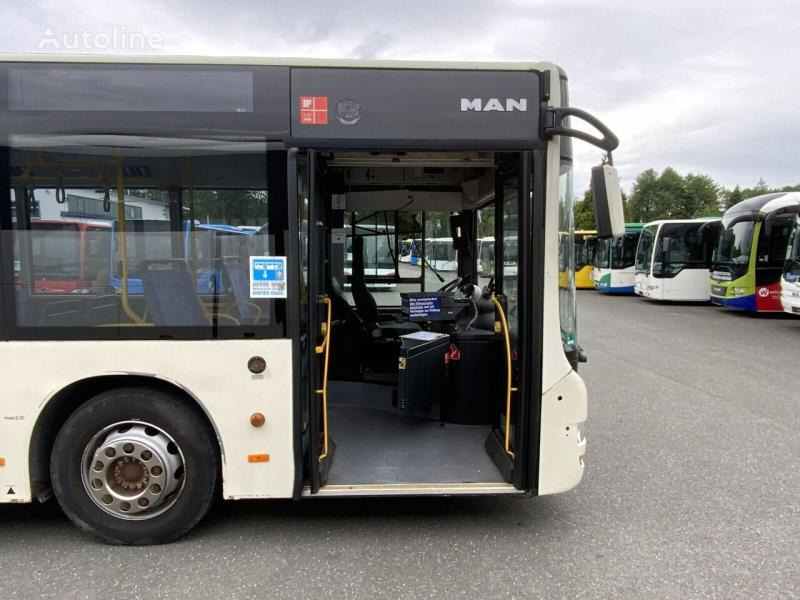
(690, 491)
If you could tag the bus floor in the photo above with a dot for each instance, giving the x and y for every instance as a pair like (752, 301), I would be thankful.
(375, 445)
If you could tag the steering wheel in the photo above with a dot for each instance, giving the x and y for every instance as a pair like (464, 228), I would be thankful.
(451, 284)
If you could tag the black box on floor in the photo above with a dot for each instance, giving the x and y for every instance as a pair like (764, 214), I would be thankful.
(474, 383)
(422, 372)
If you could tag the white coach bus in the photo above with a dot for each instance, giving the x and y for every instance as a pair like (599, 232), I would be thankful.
(673, 259)
(136, 409)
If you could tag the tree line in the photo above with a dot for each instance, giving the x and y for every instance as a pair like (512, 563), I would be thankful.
(668, 195)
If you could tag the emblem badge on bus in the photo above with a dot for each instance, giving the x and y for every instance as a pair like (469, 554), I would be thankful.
(348, 111)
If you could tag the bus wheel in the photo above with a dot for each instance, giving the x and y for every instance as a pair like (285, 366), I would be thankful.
(135, 466)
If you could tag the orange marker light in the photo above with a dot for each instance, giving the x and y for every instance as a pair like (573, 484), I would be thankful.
(256, 458)
(2, 462)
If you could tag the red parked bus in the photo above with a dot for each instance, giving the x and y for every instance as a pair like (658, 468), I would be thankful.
(68, 255)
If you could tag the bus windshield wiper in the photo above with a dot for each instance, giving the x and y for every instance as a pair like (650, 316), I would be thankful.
(427, 262)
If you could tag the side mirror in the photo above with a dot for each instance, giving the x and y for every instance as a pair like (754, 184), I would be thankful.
(609, 213)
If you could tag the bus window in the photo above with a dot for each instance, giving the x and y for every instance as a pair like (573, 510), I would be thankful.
(163, 262)
(644, 249)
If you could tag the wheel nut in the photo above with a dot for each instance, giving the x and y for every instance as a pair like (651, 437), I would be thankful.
(147, 455)
(126, 506)
(143, 502)
(110, 452)
(155, 488)
(127, 448)
(156, 471)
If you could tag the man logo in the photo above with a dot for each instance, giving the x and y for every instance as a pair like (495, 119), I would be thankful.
(493, 104)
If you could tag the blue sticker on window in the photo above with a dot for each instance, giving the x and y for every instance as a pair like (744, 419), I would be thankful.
(268, 277)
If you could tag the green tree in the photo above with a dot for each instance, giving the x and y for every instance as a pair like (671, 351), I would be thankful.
(701, 197)
(670, 196)
(584, 212)
(732, 197)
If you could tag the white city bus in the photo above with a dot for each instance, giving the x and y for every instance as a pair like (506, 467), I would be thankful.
(135, 410)
(673, 259)
(790, 281)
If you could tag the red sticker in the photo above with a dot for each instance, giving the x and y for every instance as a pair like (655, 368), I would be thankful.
(313, 110)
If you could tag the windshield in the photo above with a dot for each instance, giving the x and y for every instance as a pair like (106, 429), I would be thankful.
(566, 288)
(619, 253)
(644, 249)
(624, 255)
(56, 250)
(584, 251)
(680, 246)
(732, 253)
(602, 254)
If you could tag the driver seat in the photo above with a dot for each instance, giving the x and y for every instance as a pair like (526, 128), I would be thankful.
(366, 307)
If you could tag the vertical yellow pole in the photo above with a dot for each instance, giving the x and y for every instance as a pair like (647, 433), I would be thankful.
(123, 244)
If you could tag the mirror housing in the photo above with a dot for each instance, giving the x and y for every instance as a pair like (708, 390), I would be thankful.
(609, 213)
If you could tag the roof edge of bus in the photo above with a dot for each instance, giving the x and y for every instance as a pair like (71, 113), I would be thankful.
(180, 59)
(694, 220)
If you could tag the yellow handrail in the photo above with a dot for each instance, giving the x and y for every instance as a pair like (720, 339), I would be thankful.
(509, 388)
(123, 245)
(325, 347)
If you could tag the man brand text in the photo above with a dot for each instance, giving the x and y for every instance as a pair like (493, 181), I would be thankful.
(493, 104)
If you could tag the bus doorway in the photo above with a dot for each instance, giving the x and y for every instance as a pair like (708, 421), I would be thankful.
(410, 372)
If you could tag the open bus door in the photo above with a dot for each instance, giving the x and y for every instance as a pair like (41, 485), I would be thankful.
(510, 439)
(313, 338)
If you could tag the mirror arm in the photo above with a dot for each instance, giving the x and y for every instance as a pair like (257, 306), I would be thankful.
(553, 124)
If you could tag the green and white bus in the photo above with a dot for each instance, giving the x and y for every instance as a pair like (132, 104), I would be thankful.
(614, 260)
(749, 258)
(136, 410)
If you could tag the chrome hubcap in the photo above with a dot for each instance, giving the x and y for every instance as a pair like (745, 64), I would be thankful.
(133, 470)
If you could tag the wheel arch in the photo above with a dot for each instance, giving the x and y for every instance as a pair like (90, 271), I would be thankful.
(62, 403)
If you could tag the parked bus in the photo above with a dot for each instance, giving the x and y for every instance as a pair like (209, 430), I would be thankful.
(749, 258)
(275, 385)
(784, 210)
(790, 281)
(614, 259)
(585, 242)
(673, 258)
(68, 255)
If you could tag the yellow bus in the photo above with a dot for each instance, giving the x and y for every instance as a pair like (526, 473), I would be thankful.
(584, 257)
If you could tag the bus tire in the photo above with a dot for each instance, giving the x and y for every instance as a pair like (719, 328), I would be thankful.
(135, 466)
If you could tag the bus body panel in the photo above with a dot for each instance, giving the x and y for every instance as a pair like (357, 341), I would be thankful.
(563, 442)
(690, 285)
(228, 394)
(583, 278)
(613, 281)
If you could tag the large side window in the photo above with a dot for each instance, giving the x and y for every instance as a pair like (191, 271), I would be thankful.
(141, 238)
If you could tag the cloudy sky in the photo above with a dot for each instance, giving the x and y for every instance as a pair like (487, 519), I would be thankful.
(704, 86)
